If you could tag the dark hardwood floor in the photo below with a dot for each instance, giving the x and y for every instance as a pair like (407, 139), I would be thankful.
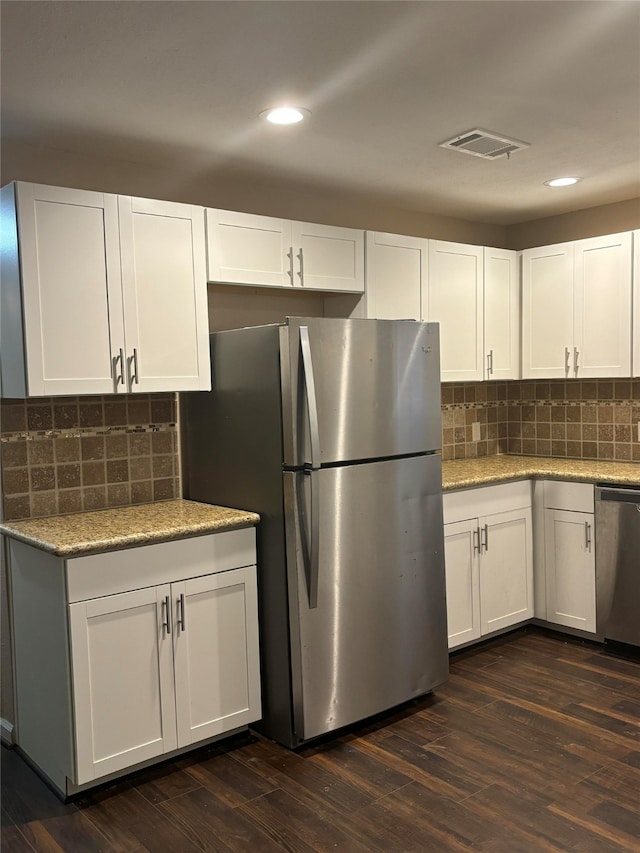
(532, 745)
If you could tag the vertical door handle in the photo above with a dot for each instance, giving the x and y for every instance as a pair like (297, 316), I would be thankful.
(476, 541)
(485, 544)
(166, 614)
(118, 378)
(290, 256)
(566, 361)
(587, 535)
(301, 271)
(133, 360)
(310, 389)
(490, 362)
(180, 621)
(575, 360)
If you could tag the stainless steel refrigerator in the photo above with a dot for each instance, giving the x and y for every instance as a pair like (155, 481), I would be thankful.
(330, 430)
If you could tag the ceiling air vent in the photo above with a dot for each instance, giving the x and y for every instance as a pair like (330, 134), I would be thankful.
(482, 143)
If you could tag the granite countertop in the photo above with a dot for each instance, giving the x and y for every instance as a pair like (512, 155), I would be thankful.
(84, 533)
(486, 470)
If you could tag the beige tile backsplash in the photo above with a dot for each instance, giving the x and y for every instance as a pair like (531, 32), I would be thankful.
(583, 419)
(70, 454)
(64, 455)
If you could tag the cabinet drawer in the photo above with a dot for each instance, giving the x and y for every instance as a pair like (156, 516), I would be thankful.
(571, 496)
(164, 562)
(485, 500)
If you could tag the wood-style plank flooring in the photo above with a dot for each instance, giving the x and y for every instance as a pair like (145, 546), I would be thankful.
(532, 745)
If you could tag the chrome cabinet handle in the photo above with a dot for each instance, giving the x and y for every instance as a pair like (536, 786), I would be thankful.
(476, 541)
(133, 377)
(485, 544)
(166, 614)
(587, 535)
(181, 621)
(490, 362)
(290, 256)
(118, 378)
(566, 361)
(575, 360)
(301, 272)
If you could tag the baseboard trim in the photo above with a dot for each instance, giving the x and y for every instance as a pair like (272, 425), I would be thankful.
(6, 732)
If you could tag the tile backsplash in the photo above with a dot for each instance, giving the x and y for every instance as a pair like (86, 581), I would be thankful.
(588, 419)
(67, 454)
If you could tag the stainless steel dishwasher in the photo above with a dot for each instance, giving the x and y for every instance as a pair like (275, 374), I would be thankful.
(618, 564)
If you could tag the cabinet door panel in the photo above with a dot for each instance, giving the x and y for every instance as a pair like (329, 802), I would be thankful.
(122, 681)
(547, 311)
(455, 301)
(72, 289)
(243, 248)
(501, 315)
(164, 287)
(461, 570)
(506, 570)
(603, 306)
(216, 654)
(570, 569)
(396, 276)
(332, 257)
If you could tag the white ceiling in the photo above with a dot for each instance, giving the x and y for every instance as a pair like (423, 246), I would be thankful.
(170, 82)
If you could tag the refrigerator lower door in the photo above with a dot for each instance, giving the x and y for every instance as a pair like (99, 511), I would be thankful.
(368, 627)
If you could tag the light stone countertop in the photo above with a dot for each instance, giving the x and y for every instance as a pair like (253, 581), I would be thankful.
(486, 470)
(84, 533)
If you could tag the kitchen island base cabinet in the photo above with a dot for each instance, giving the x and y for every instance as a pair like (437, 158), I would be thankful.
(488, 560)
(139, 673)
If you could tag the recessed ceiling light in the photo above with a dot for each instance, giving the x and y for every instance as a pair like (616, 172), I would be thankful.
(284, 115)
(562, 182)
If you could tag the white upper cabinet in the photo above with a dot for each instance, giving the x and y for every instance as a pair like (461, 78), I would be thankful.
(396, 272)
(246, 249)
(264, 251)
(576, 312)
(547, 311)
(501, 315)
(108, 295)
(455, 300)
(62, 323)
(636, 304)
(165, 298)
(602, 320)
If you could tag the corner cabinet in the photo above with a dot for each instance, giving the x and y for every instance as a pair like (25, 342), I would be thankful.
(263, 251)
(488, 560)
(101, 293)
(140, 652)
(636, 304)
(576, 309)
(473, 292)
(565, 566)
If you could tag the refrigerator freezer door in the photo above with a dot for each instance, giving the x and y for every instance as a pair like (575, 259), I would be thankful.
(376, 636)
(371, 388)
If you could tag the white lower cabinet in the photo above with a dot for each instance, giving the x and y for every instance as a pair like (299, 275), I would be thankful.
(488, 560)
(147, 670)
(568, 568)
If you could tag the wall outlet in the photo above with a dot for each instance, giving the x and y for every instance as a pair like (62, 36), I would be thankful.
(475, 431)
(638, 430)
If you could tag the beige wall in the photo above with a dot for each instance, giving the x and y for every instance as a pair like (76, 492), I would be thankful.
(219, 188)
(593, 222)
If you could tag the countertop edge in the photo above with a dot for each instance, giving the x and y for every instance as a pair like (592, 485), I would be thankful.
(132, 540)
(529, 470)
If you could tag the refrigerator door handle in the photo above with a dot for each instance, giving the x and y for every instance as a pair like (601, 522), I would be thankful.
(310, 389)
(314, 540)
